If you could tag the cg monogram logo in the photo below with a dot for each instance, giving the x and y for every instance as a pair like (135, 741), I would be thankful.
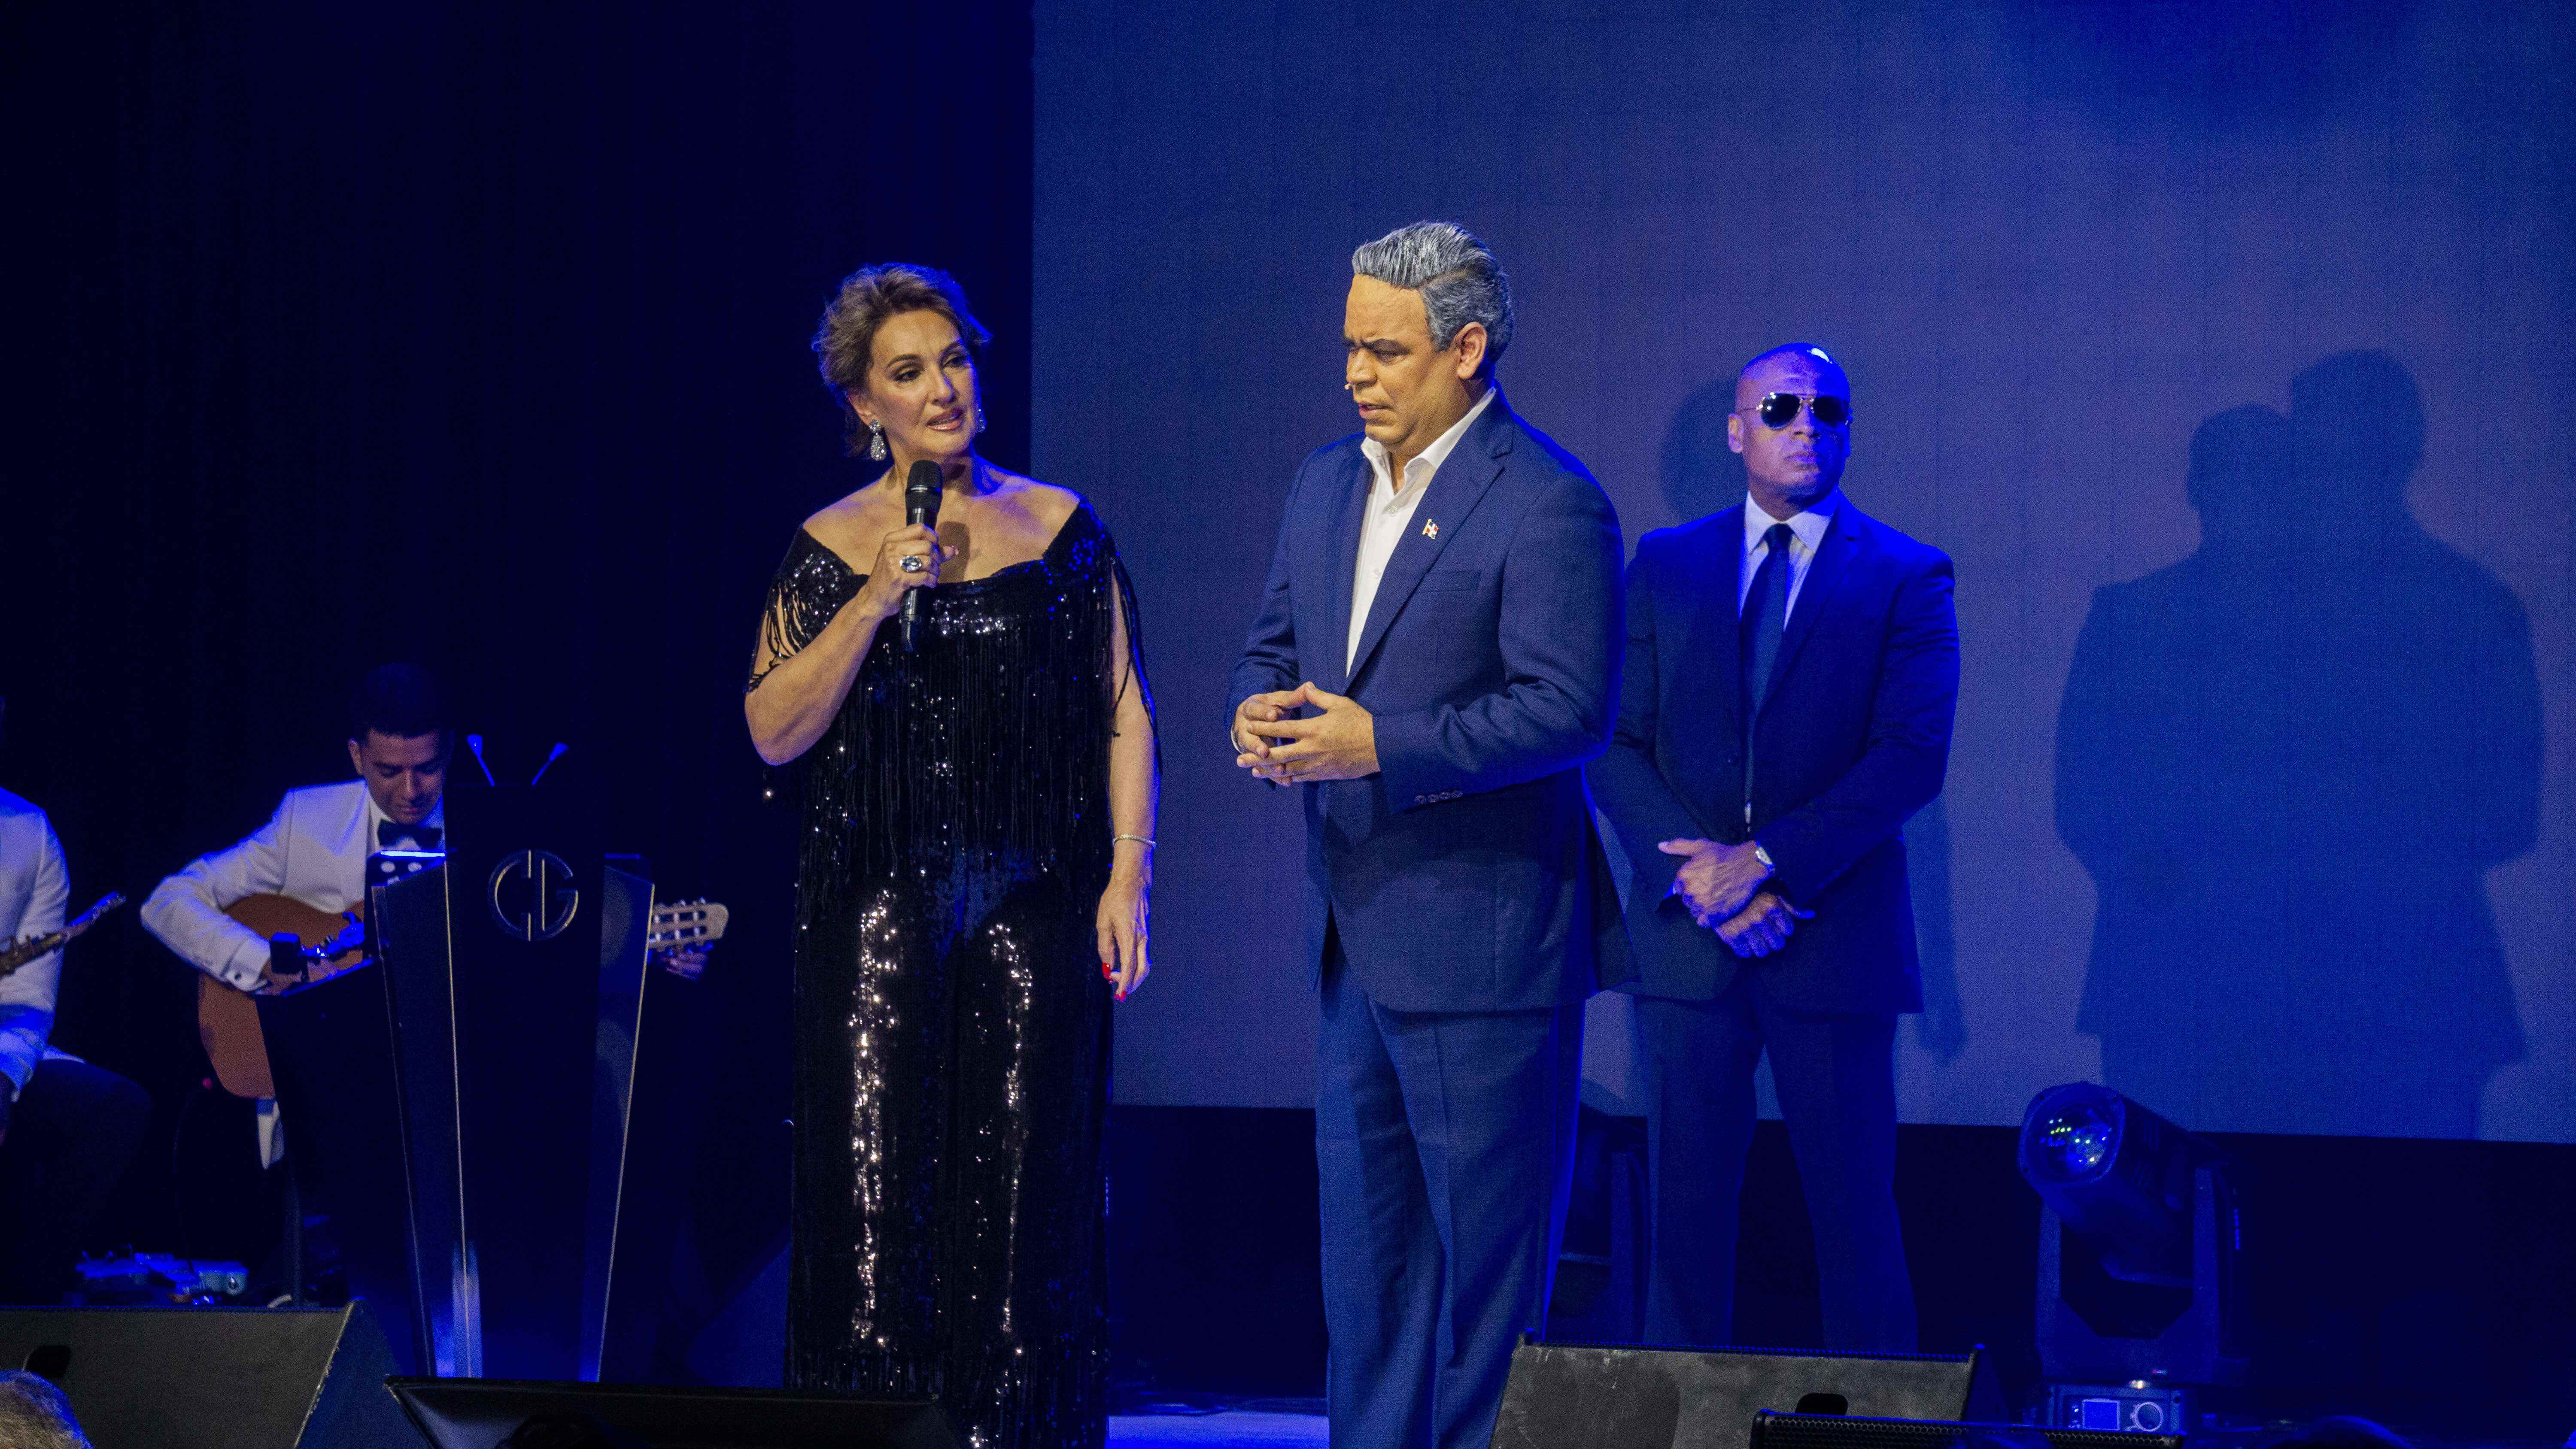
(532, 895)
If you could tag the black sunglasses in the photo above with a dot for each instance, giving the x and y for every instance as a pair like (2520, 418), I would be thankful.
(1781, 408)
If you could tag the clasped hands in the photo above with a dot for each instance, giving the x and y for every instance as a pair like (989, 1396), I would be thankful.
(1337, 742)
(1720, 885)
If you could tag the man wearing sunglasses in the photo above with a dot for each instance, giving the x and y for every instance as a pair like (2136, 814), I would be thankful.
(1792, 669)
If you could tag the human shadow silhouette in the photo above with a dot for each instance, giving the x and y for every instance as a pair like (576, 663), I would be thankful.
(2287, 762)
(1699, 472)
(1942, 1029)
(1701, 475)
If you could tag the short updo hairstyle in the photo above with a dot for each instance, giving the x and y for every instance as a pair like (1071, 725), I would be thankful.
(845, 343)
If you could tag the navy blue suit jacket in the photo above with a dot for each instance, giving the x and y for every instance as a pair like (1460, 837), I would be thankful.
(1853, 737)
(1465, 875)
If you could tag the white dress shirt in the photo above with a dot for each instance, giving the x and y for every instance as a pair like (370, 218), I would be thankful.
(313, 849)
(35, 895)
(1390, 513)
(1807, 532)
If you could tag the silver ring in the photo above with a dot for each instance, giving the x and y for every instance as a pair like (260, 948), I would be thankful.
(912, 563)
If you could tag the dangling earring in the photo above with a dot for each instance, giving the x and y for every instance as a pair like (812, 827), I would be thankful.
(980, 424)
(876, 442)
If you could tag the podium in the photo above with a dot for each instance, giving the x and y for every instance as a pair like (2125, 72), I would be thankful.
(459, 1107)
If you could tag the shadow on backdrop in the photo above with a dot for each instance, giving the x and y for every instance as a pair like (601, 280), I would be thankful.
(1942, 1029)
(2288, 762)
(1700, 473)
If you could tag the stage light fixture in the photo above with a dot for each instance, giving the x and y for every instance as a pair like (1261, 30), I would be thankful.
(2117, 1173)
(2137, 1242)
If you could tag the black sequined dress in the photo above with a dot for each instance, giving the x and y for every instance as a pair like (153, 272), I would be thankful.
(952, 1026)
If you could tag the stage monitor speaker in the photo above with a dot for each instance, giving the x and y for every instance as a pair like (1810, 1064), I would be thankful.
(1622, 1396)
(481, 1413)
(214, 1378)
(1829, 1431)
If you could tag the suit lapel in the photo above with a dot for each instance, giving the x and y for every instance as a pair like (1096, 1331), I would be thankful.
(1343, 562)
(1833, 560)
(1470, 469)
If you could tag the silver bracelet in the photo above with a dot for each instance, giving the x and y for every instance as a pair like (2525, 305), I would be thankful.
(1139, 839)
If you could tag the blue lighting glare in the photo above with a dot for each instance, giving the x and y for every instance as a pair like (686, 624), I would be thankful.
(2077, 1141)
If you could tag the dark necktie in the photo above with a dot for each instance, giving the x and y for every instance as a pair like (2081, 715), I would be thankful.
(1766, 611)
(391, 833)
(1766, 605)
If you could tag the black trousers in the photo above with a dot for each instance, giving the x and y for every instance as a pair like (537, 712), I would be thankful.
(72, 1133)
(1837, 1080)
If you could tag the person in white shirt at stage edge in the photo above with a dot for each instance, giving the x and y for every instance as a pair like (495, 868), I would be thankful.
(67, 1129)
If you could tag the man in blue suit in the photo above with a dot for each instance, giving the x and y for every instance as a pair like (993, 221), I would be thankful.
(1792, 670)
(1435, 659)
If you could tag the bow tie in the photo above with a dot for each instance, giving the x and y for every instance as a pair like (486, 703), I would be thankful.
(392, 833)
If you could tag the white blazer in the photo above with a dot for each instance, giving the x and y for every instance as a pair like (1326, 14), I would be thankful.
(314, 849)
(35, 893)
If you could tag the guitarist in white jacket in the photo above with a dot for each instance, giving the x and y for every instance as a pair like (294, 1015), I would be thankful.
(315, 848)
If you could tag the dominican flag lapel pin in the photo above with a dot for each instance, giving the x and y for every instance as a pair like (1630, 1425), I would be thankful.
(1430, 529)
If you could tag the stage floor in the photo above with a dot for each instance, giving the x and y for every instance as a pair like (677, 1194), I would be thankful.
(1261, 1429)
(1238, 1430)
(1235, 1428)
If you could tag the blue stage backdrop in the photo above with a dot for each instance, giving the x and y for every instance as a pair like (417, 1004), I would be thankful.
(2224, 346)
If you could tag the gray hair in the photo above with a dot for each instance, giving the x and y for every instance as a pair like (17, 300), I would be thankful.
(35, 1415)
(1457, 275)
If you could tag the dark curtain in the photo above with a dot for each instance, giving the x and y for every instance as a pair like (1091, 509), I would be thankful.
(473, 334)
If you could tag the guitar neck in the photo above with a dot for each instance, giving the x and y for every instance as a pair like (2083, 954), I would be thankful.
(13, 957)
(29, 949)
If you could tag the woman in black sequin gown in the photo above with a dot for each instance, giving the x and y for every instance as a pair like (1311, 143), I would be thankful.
(971, 897)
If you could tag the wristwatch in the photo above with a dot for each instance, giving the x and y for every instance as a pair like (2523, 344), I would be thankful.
(1764, 856)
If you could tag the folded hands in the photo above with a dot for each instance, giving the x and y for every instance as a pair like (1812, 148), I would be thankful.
(1721, 887)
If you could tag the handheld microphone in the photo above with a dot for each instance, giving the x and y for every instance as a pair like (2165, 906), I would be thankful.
(920, 507)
